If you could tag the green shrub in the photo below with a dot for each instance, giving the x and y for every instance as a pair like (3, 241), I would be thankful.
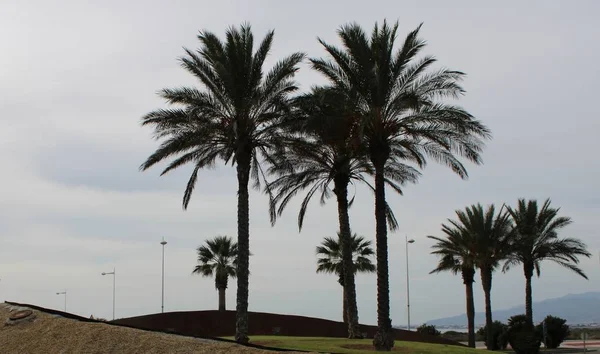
(456, 336)
(498, 334)
(518, 323)
(428, 329)
(557, 331)
(523, 336)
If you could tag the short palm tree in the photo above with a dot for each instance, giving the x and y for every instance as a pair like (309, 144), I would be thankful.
(323, 150)
(536, 231)
(457, 256)
(330, 260)
(235, 117)
(218, 258)
(490, 237)
(402, 118)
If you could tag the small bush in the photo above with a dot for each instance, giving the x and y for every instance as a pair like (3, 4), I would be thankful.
(456, 336)
(557, 331)
(498, 334)
(428, 329)
(518, 323)
(523, 336)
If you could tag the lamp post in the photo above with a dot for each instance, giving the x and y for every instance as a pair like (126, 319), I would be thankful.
(407, 282)
(114, 274)
(65, 294)
(162, 301)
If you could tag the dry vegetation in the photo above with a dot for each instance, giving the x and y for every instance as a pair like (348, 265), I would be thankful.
(48, 333)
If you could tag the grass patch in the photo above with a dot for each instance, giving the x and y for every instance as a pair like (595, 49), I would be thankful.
(355, 346)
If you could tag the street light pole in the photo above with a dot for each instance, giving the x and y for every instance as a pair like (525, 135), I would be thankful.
(65, 294)
(162, 301)
(407, 282)
(114, 274)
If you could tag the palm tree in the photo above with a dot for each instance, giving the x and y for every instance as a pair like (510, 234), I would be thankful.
(323, 149)
(330, 260)
(235, 117)
(490, 238)
(218, 258)
(457, 256)
(401, 119)
(536, 232)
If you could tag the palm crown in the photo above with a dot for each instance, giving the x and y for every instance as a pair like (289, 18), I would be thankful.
(397, 97)
(238, 114)
(323, 148)
(455, 251)
(537, 238)
(330, 256)
(490, 234)
(218, 258)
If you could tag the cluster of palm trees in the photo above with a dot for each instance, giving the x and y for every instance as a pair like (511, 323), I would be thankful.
(488, 240)
(382, 115)
(218, 259)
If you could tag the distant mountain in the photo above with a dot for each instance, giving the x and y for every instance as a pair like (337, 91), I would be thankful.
(575, 308)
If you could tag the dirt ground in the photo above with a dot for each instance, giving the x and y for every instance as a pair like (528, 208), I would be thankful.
(47, 333)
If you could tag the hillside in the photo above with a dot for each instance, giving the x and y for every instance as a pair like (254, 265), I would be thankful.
(212, 324)
(48, 331)
(575, 308)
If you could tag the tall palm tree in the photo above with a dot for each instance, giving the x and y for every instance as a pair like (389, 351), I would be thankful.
(330, 260)
(457, 256)
(218, 258)
(235, 117)
(490, 236)
(323, 150)
(536, 232)
(403, 118)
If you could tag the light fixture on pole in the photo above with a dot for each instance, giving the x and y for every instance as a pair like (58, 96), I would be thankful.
(162, 301)
(65, 294)
(114, 274)
(407, 282)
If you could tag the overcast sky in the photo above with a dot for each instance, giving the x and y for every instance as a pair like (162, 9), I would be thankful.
(76, 77)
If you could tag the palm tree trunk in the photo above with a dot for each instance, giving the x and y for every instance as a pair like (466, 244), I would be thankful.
(486, 281)
(221, 299)
(468, 275)
(528, 296)
(345, 307)
(384, 338)
(341, 191)
(243, 174)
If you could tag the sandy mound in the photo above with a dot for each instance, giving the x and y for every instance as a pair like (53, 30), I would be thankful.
(45, 333)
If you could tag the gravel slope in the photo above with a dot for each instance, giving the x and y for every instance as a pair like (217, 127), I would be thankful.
(47, 333)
